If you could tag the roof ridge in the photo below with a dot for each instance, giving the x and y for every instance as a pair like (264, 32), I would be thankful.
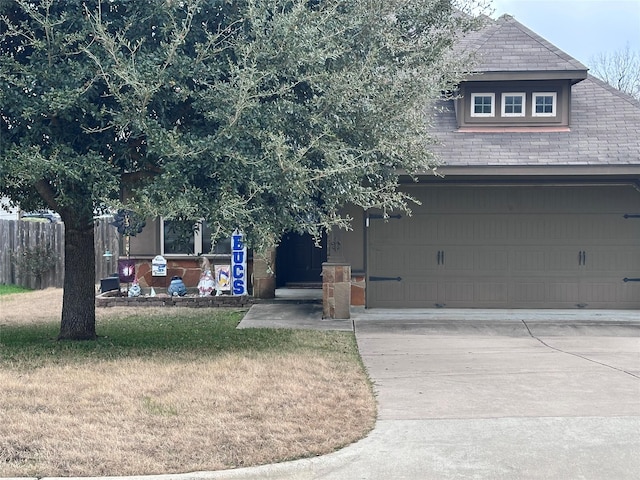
(486, 35)
(542, 41)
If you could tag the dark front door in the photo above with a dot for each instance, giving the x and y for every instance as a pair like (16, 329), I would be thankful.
(299, 261)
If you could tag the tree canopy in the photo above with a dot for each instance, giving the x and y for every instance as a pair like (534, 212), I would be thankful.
(264, 115)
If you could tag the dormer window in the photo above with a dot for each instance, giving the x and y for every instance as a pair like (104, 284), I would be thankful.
(544, 104)
(513, 104)
(482, 104)
(504, 105)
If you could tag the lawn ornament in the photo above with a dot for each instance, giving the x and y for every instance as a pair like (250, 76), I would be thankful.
(206, 284)
(177, 287)
(134, 290)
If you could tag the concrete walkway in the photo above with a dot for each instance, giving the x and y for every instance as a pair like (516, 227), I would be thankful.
(473, 394)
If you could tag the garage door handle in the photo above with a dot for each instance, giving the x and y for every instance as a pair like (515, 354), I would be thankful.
(385, 279)
(625, 280)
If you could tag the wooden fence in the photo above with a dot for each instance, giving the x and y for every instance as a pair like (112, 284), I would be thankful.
(32, 253)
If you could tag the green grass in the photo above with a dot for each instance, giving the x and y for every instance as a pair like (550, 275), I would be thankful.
(173, 335)
(9, 289)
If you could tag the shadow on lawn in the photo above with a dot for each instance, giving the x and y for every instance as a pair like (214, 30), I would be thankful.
(198, 332)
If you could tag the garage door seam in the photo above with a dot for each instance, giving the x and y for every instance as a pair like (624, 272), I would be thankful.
(576, 354)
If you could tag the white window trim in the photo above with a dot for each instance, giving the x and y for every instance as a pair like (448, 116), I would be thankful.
(524, 104)
(493, 104)
(534, 96)
(197, 242)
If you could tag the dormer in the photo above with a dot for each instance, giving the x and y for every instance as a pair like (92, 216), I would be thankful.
(520, 80)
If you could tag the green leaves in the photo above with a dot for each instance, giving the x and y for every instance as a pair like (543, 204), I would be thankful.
(270, 116)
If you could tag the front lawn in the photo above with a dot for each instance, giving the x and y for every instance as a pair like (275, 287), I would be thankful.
(171, 390)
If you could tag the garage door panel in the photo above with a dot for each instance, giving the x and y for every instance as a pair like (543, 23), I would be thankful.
(561, 261)
(492, 292)
(457, 261)
(528, 293)
(420, 228)
(612, 294)
(491, 260)
(610, 229)
(612, 261)
(489, 230)
(386, 260)
(457, 292)
(529, 260)
(455, 229)
(530, 229)
(421, 293)
(423, 259)
(386, 292)
(566, 292)
(511, 247)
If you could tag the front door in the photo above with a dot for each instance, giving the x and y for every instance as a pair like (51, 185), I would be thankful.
(299, 261)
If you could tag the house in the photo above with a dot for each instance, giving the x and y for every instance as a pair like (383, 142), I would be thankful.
(538, 205)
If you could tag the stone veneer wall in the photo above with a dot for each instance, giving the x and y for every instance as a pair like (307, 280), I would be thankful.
(187, 268)
(336, 290)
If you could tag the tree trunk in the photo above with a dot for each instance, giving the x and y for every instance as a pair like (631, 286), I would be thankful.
(78, 301)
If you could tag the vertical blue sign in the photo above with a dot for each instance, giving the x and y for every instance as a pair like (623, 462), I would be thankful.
(238, 264)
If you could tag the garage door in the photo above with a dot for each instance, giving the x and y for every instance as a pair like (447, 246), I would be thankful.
(508, 247)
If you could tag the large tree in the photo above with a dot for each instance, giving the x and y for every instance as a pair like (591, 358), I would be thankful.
(269, 115)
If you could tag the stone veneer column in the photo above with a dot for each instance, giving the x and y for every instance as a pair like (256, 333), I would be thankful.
(264, 281)
(336, 290)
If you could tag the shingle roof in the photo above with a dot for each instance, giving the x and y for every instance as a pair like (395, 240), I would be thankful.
(604, 126)
(505, 45)
(604, 130)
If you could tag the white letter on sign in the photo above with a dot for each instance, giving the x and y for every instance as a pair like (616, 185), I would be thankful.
(238, 264)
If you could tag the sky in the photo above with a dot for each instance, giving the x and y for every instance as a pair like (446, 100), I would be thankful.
(581, 28)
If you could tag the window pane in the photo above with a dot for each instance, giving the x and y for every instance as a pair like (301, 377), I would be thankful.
(513, 104)
(178, 237)
(482, 104)
(223, 246)
(220, 246)
(544, 104)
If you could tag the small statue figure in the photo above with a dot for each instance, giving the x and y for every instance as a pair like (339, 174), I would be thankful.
(207, 283)
(177, 287)
(134, 290)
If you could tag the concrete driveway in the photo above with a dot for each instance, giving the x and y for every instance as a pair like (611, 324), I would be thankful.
(503, 395)
(471, 394)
